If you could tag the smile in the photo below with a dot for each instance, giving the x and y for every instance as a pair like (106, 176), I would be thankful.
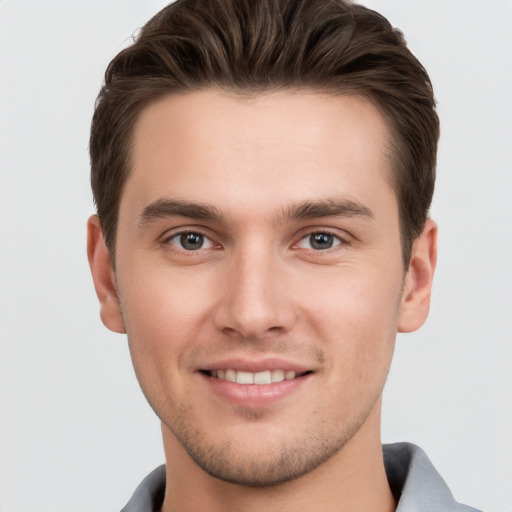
(256, 389)
(259, 378)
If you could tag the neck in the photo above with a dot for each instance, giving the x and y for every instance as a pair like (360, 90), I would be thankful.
(353, 480)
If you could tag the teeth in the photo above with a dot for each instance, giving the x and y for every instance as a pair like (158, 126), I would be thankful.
(263, 378)
(231, 375)
(277, 375)
(244, 377)
(260, 378)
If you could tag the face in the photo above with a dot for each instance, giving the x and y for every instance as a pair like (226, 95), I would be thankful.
(259, 277)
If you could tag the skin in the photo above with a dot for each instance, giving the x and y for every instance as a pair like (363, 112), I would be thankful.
(258, 288)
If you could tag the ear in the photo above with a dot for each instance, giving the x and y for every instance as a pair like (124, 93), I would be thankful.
(103, 277)
(415, 302)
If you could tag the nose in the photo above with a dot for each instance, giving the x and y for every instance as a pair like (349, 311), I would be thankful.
(256, 302)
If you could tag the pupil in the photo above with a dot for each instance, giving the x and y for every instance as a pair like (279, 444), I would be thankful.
(191, 241)
(321, 241)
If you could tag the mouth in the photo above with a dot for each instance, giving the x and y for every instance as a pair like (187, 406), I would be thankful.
(258, 378)
(255, 384)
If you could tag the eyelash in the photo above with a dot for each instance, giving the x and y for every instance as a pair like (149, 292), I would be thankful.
(336, 241)
(335, 237)
(179, 236)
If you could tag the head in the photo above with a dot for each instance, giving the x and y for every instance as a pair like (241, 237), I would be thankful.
(263, 172)
(249, 48)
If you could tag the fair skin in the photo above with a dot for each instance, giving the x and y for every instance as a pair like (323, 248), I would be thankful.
(259, 239)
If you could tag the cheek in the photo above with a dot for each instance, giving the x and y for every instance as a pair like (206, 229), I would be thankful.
(164, 317)
(356, 315)
(362, 298)
(161, 328)
(164, 307)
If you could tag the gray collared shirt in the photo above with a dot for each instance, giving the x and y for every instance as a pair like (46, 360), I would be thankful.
(415, 483)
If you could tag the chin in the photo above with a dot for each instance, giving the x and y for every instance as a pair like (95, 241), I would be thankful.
(257, 470)
(261, 460)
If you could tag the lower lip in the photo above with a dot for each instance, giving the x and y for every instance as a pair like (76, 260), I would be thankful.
(254, 395)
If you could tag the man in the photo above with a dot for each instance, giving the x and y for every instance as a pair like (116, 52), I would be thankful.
(263, 172)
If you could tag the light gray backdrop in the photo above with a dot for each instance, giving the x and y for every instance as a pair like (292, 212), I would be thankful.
(76, 433)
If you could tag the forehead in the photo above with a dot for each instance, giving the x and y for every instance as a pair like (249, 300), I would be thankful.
(273, 147)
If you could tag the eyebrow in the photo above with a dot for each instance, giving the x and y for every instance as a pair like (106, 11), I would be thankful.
(342, 207)
(163, 208)
(306, 210)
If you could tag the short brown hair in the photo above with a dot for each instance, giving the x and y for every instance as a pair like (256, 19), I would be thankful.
(257, 46)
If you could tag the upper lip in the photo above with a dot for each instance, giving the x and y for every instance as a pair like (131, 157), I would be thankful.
(256, 365)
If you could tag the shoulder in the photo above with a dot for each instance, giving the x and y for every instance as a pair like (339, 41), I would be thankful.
(149, 495)
(416, 484)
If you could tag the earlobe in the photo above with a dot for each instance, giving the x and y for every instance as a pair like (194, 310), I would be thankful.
(415, 302)
(103, 277)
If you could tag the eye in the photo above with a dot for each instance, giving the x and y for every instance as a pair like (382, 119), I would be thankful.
(190, 241)
(319, 241)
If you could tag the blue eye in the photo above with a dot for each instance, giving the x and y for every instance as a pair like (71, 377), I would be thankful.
(319, 241)
(190, 241)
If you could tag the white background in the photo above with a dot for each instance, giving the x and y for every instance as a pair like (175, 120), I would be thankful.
(76, 433)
